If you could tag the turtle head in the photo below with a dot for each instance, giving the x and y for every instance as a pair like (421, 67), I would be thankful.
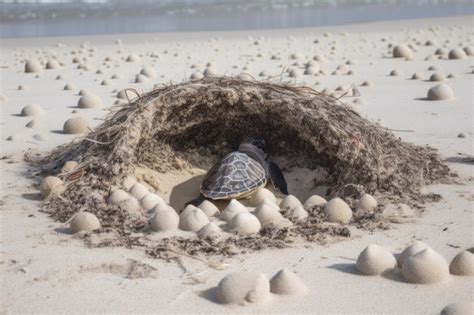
(254, 147)
(258, 143)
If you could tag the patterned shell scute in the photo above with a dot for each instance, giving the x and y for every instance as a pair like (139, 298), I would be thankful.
(235, 175)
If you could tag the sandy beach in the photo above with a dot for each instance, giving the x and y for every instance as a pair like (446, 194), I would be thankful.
(45, 269)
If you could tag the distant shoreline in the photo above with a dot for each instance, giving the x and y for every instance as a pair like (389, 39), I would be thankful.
(69, 19)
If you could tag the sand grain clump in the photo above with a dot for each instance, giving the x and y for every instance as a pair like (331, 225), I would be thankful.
(266, 215)
(150, 200)
(462, 264)
(69, 166)
(425, 267)
(457, 53)
(118, 196)
(375, 260)
(242, 288)
(286, 282)
(84, 221)
(210, 230)
(298, 214)
(289, 202)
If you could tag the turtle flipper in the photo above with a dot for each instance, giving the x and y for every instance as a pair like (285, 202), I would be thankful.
(277, 177)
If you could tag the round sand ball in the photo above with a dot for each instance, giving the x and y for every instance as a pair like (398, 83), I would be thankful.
(437, 77)
(261, 195)
(243, 287)
(32, 110)
(118, 196)
(287, 283)
(366, 203)
(425, 267)
(440, 92)
(89, 101)
(209, 208)
(69, 166)
(84, 221)
(298, 214)
(457, 53)
(458, 309)
(140, 78)
(314, 201)
(462, 264)
(193, 220)
(245, 223)
(83, 92)
(414, 248)
(69, 87)
(337, 210)
(150, 201)
(128, 182)
(210, 72)
(53, 64)
(293, 73)
(51, 185)
(416, 76)
(138, 191)
(132, 58)
(268, 216)
(441, 51)
(148, 72)
(232, 209)
(33, 66)
(196, 75)
(75, 125)
(209, 230)
(164, 219)
(375, 260)
(289, 202)
(402, 51)
(395, 73)
(469, 51)
(131, 206)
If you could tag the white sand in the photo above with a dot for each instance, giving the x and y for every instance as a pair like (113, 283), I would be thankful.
(45, 269)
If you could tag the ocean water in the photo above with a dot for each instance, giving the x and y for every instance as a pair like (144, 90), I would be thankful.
(29, 18)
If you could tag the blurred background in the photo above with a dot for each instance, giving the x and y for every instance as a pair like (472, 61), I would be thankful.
(30, 18)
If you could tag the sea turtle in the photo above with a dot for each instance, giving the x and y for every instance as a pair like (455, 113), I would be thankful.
(241, 173)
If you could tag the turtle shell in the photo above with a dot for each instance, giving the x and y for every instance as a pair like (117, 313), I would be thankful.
(235, 175)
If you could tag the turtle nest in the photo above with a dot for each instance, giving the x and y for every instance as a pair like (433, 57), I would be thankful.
(191, 124)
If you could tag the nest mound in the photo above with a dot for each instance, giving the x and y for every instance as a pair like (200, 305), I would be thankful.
(196, 122)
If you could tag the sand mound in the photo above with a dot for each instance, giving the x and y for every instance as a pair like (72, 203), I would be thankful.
(337, 210)
(411, 250)
(366, 203)
(425, 267)
(243, 287)
(51, 185)
(32, 110)
(457, 53)
(89, 101)
(75, 125)
(84, 221)
(245, 223)
(375, 260)
(315, 201)
(402, 51)
(440, 92)
(458, 309)
(199, 121)
(33, 66)
(192, 219)
(462, 264)
(164, 219)
(287, 283)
